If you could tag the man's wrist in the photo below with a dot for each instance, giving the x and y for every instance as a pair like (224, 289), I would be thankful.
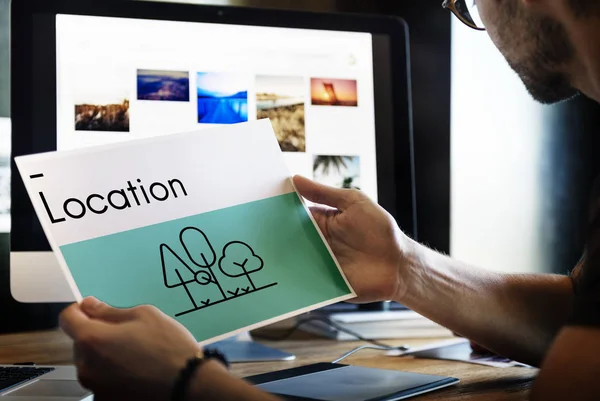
(410, 265)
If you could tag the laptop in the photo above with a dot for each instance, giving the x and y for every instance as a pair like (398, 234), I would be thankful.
(41, 383)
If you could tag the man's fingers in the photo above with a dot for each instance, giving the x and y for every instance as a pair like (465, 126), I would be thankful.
(96, 309)
(324, 195)
(73, 320)
(319, 213)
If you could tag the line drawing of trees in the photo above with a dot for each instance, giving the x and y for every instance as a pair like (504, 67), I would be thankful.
(238, 260)
(170, 282)
(206, 254)
(241, 261)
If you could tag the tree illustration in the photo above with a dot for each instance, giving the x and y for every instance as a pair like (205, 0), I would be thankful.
(176, 272)
(200, 251)
(203, 254)
(240, 260)
(329, 162)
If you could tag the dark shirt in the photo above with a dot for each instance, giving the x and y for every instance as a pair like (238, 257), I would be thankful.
(586, 275)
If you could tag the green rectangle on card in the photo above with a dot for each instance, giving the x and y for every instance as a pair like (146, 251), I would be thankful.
(214, 272)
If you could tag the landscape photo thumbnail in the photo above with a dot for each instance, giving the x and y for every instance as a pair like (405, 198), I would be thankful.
(112, 116)
(281, 99)
(333, 92)
(222, 97)
(337, 171)
(163, 85)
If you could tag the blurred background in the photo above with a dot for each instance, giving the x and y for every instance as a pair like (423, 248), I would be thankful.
(502, 182)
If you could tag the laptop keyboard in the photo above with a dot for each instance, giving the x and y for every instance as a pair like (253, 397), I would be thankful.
(11, 376)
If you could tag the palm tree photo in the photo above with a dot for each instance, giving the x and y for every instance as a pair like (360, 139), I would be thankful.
(337, 171)
(328, 162)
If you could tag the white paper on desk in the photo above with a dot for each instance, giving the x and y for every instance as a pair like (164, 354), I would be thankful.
(458, 349)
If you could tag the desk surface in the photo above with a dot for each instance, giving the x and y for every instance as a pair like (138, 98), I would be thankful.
(477, 382)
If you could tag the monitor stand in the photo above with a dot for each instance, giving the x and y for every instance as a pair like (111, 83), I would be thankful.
(242, 348)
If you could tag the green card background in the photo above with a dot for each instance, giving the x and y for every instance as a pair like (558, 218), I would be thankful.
(125, 269)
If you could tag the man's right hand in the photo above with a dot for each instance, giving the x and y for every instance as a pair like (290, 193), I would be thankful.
(366, 240)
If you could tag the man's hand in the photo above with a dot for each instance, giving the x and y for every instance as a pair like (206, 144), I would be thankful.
(127, 354)
(364, 237)
(514, 315)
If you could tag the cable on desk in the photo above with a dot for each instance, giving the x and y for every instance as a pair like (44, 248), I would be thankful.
(347, 354)
(331, 323)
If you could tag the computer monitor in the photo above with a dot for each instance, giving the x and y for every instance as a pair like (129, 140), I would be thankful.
(336, 88)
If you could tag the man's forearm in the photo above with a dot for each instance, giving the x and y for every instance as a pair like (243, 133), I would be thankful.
(515, 315)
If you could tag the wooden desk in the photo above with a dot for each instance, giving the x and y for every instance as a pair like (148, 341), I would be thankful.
(477, 382)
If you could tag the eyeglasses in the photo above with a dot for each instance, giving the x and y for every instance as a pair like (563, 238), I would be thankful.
(466, 11)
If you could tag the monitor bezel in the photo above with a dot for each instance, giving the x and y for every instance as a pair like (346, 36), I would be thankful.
(400, 202)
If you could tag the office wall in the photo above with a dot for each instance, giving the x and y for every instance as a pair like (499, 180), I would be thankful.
(496, 150)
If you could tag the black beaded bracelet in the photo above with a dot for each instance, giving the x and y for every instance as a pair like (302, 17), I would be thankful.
(182, 382)
(213, 353)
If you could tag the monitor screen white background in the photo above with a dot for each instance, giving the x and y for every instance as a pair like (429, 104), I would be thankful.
(105, 62)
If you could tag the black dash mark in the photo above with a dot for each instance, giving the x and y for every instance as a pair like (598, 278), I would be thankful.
(34, 176)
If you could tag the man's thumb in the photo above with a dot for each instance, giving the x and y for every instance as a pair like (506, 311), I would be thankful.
(99, 310)
(322, 194)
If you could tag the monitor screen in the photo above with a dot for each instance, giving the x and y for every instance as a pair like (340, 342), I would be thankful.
(124, 78)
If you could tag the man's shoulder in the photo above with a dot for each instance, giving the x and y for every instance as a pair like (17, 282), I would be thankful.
(586, 274)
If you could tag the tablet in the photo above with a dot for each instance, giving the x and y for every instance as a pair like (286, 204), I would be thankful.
(337, 382)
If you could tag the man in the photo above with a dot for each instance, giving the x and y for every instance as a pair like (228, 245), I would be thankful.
(549, 321)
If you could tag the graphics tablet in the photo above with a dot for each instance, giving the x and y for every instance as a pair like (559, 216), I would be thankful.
(336, 382)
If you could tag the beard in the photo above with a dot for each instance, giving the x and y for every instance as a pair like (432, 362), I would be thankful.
(546, 87)
(541, 68)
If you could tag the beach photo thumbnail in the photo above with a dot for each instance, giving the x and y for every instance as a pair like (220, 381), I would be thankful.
(281, 99)
(163, 85)
(333, 92)
(103, 116)
(222, 97)
(337, 171)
